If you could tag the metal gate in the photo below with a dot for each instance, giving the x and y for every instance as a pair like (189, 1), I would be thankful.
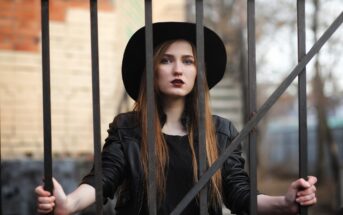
(205, 174)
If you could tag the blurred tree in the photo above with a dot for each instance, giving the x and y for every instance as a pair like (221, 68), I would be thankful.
(227, 18)
(321, 102)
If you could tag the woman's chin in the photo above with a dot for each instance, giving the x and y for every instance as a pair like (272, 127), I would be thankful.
(177, 93)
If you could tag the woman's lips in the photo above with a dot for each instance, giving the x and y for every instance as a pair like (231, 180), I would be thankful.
(177, 82)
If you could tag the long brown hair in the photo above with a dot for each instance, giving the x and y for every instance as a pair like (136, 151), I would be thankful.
(190, 121)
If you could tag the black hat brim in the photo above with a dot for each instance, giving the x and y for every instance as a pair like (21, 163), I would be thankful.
(134, 55)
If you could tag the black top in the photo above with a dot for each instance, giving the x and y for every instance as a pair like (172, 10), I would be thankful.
(122, 170)
(179, 175)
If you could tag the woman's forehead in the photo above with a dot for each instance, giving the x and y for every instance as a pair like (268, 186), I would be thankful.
(180, 46)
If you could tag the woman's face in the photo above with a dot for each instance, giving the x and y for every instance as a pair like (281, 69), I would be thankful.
(176, 71)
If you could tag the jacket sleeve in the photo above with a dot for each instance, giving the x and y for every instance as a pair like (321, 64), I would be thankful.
(113, 164)
(236, 187)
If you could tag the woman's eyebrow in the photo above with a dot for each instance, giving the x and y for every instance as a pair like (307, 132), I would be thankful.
(168, 55)
(183, 56)
(188, 56)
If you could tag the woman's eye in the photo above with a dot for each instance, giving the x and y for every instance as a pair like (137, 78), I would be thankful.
(165, 61)
(188, 61)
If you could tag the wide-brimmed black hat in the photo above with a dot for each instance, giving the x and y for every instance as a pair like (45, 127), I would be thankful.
(134, 56)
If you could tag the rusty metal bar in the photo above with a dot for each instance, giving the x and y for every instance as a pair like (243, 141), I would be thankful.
(260, 113)
(96, 105)
(199, 8)
(151, 192)
(302, 106)
(251, 97)
(48, 185)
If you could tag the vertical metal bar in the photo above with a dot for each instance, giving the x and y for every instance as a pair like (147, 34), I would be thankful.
(150, 108)
(201, 98)
(252, 104)
(48, 185)
(302, 96)
(96, 105)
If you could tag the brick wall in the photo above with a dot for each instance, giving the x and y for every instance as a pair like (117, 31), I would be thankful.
(20, 70)
(20, 20)
(169, 10)
(21, 123)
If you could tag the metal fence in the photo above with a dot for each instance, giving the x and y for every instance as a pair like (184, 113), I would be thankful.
(248, 131)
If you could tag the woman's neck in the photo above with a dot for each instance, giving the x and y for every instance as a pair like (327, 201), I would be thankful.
(173, 108)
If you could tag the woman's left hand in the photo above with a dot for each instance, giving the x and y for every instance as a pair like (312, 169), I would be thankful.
(302, 192)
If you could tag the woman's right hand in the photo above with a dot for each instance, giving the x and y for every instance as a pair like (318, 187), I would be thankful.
(47, 202)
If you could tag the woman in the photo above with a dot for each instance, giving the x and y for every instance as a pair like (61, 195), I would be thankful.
(124, 156)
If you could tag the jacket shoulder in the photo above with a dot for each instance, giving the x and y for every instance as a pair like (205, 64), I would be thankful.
(125, 120)
(224, 126)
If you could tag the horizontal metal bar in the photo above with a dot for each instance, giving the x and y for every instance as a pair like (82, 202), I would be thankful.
(262, 111)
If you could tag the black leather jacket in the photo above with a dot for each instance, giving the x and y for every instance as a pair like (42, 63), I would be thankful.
(122, 169)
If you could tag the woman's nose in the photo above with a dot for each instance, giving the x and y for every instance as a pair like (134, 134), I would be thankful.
(177, 71)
